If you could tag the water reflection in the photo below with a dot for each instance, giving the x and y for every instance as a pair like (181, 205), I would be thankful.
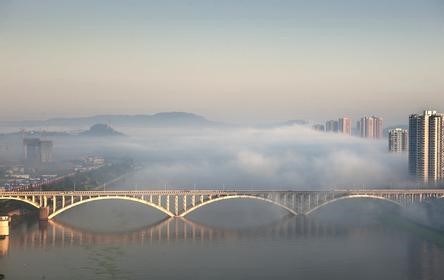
(4, 245)
(307, 244)
(56, 233)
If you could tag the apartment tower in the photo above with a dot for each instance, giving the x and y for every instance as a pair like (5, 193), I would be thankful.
(398, 140)
(344, 125)
(426, 135)
(370, 127)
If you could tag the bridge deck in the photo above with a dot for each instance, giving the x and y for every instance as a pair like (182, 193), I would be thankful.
(224, 192)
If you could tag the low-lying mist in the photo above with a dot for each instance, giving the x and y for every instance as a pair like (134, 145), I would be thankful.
(287, 157)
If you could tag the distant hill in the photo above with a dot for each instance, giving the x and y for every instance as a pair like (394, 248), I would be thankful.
(156, 120)
(99, 130)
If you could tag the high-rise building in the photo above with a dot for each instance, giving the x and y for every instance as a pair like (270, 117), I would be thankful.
(398, 140)
(344, 125)
(413, 143)
(45, 151)
(378, 127)
(371, 127)
(366, 127)
(331, 126)
(37, 152)
(319, 127)
(435, 147)
(405, 141)
(426, 136)
(358, 128)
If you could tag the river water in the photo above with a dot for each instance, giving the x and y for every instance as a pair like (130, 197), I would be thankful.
(229, 240)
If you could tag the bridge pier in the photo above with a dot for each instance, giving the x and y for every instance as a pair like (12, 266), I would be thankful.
(43, 213)
(4, 225)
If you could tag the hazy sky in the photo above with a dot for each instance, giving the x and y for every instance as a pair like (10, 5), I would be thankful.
(228, 60)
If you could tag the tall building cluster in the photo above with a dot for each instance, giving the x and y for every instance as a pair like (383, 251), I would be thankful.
(424, 141)
(342, 125)
(398, 140)
(370, 127)
(319, 127)
(331, 126)
(426, 146)
(37, 152)
(367, 127)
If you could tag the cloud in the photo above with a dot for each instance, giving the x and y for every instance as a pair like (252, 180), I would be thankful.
(256, 164)
(246, 157)
(287, 157)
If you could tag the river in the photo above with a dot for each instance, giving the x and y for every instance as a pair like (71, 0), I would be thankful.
(229, 240)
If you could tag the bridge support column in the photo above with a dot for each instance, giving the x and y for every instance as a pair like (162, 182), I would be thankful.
(4, 225)
(43, 213)
(301, 201)
(185, 202)
(54, 203)
(309, 202)
(176, 205)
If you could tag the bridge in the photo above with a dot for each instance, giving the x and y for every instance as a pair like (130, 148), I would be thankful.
(180, 203)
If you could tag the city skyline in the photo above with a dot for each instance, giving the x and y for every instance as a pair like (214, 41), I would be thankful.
(256, 60)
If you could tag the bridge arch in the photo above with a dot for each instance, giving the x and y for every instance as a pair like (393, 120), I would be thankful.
(188, 211)
(375, 197)
(27, 201)
(61, 210)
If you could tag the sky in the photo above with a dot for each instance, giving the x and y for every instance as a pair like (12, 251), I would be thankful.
(236, 61)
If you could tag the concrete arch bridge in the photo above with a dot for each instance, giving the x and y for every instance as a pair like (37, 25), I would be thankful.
(180, 203)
